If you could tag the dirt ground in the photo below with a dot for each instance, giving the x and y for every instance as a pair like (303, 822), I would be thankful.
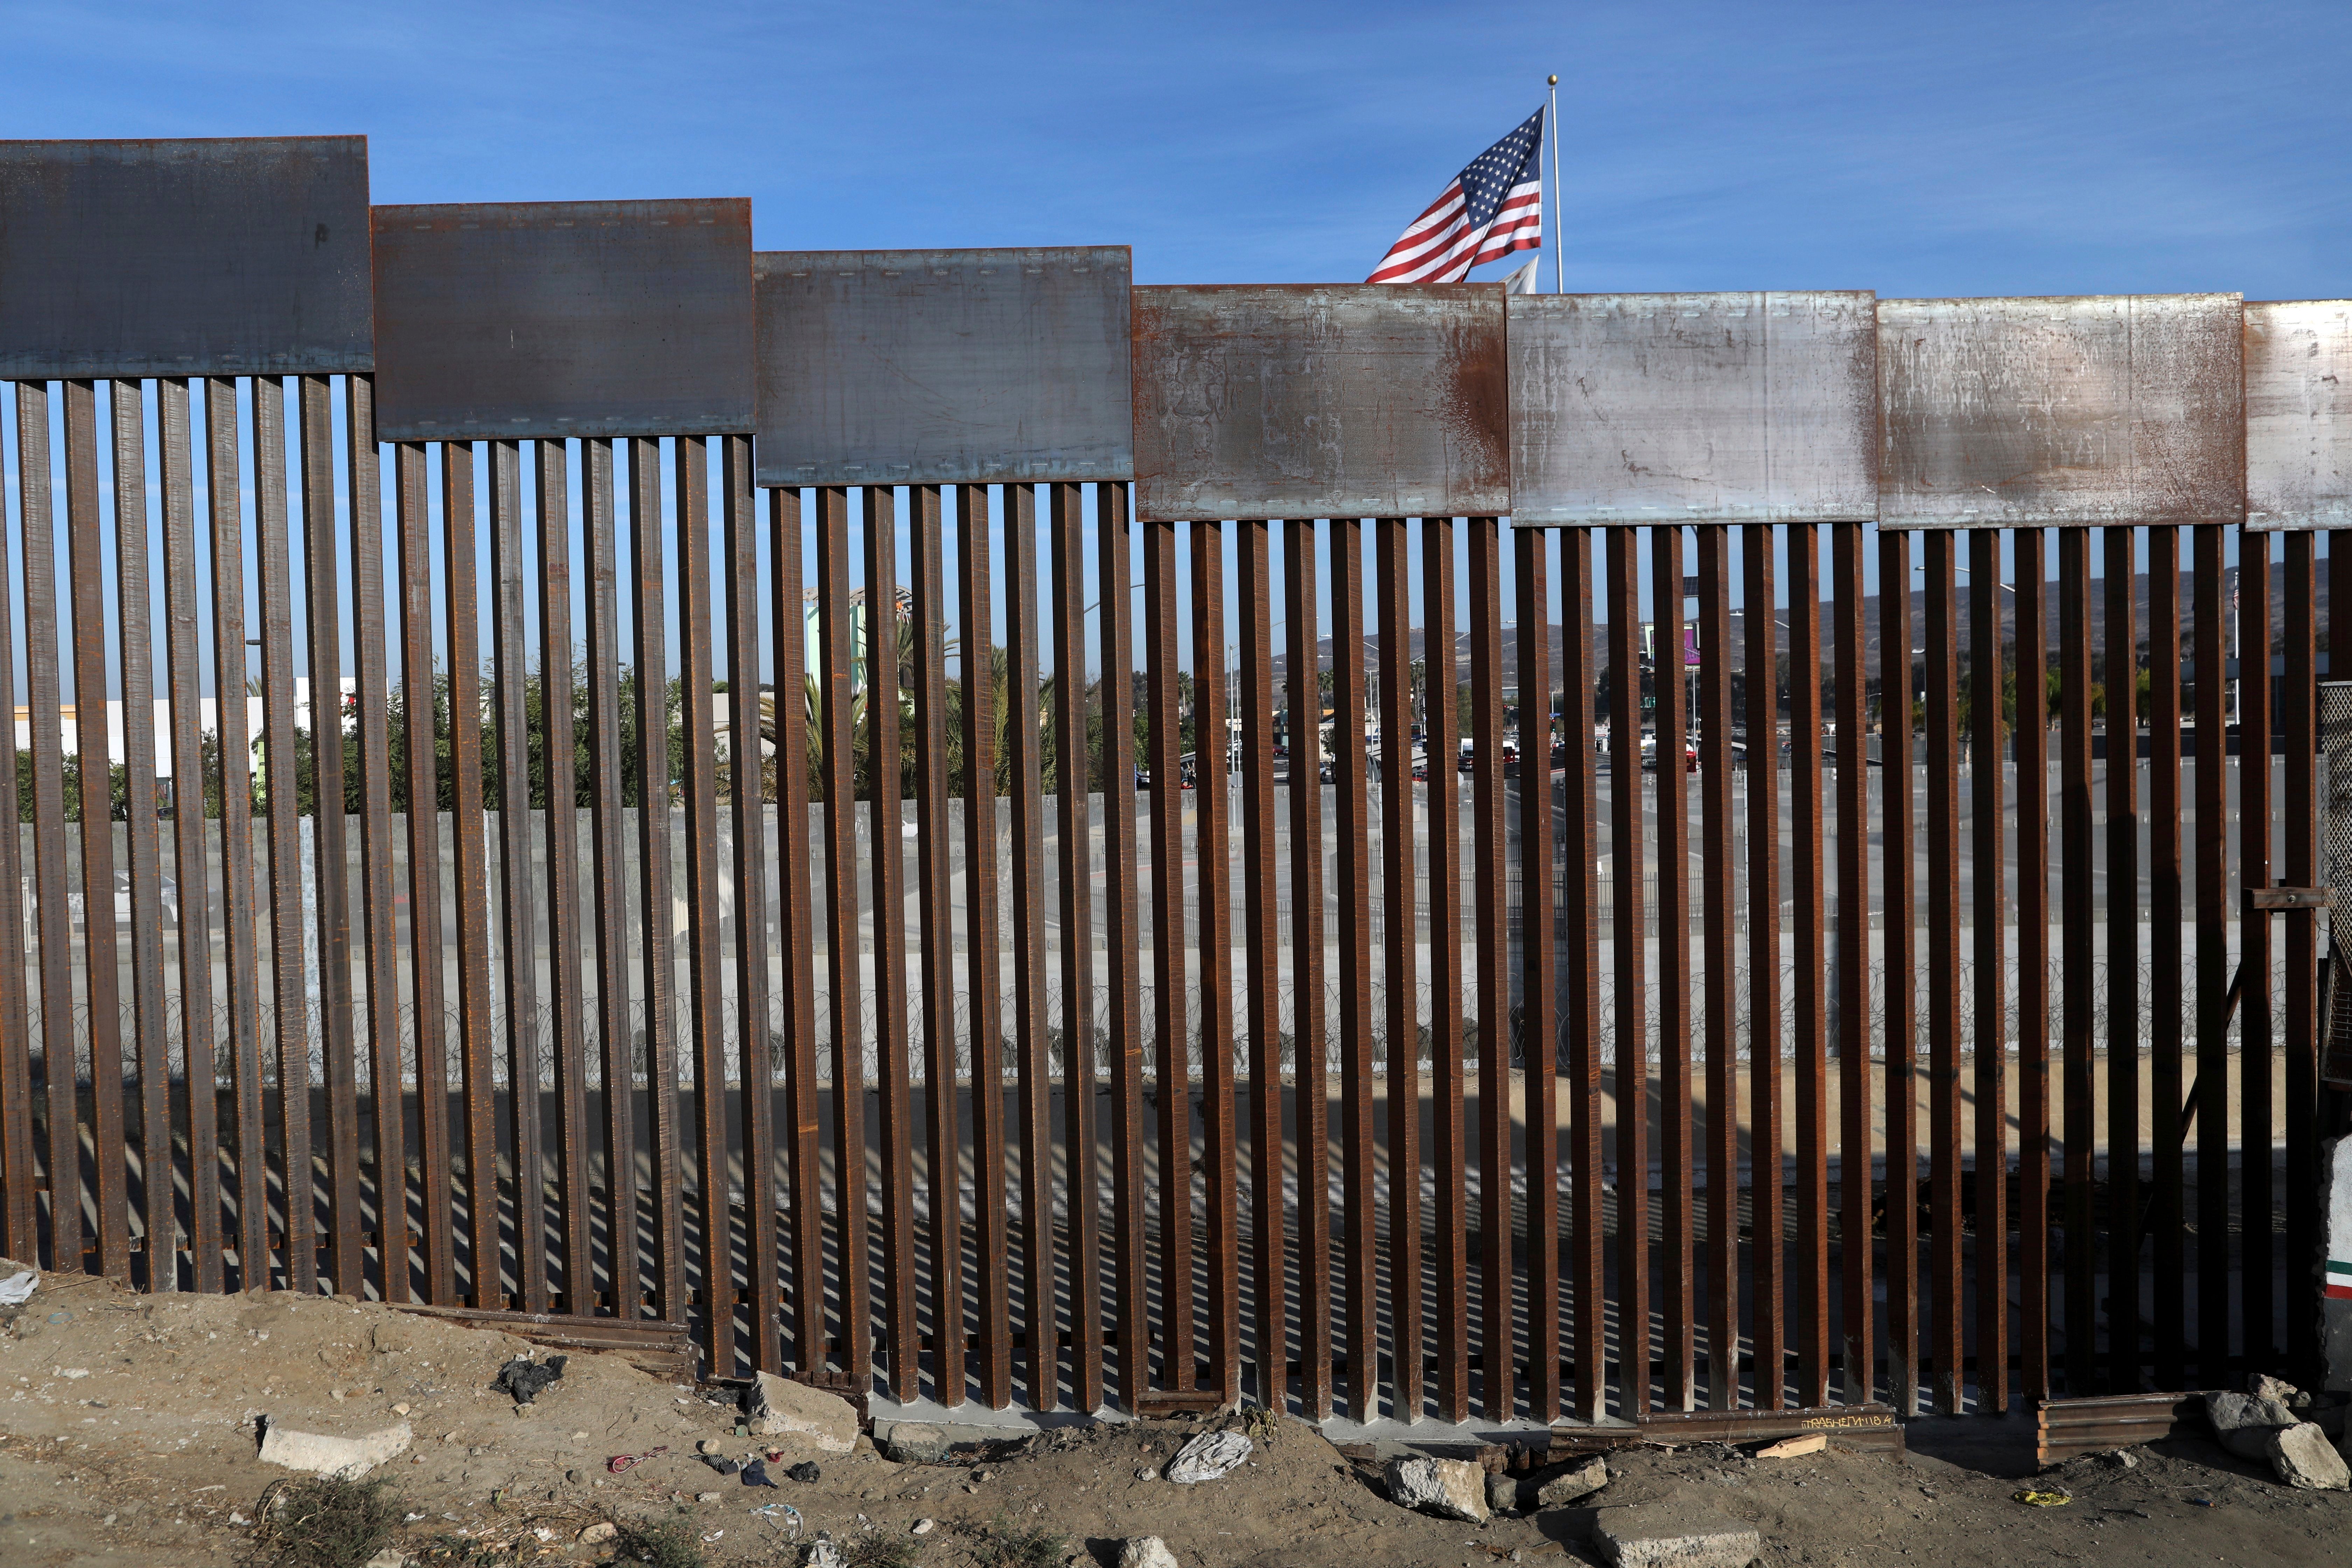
(129, 1429)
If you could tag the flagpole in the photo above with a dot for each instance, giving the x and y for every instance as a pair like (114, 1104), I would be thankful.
(1560, 239)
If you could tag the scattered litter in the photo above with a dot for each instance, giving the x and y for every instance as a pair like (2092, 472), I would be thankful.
(1790, 1447)
(770, 1512)
(805, 1470)
(2031, 1498)
(1208, 1456)
(755, 1474)
(17, 1289)
(722, 1464)
(2203, 1502)
(714, 1535)
(620, 1462)
(527, 1379)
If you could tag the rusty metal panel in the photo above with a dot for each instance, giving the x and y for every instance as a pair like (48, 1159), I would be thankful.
(943, 366)
(518, 320)
(2083, 412)
(1312, 401)
(2298, 414)
(237, 255)
(1742, 408)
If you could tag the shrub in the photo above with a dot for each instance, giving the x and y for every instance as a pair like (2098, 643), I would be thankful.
(323, 1521)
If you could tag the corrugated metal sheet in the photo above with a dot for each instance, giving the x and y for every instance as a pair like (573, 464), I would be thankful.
(1745, 407)
(2299, 414)
(555, 319)
(1311, 401)
(2057, 412)
(185, 257)
(943, 366)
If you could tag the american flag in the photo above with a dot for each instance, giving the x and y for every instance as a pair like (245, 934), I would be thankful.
(1493, 207)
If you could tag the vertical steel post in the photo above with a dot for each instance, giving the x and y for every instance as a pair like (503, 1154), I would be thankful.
(2076, 976)
(2166, 998)
(943, 1151)
(2119, 667)
(1944, 967)
(1262, 935)
(982, 702)
(1669, 682)
(1987, 872)
(1303, 698)
(1441, 684)
(1896, 683)
(1858, 1354)
(1629, 1037)
(1211, 799)
(2029, 570)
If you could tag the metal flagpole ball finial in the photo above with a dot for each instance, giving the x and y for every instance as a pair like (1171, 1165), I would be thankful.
(1551, 81)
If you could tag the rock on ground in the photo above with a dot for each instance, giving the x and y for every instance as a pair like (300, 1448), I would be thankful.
(914, 1443)
(2305, 1460)
(1503, 1492)
(2262, 1386)
(1145, 1552)
(1673, 1533)
(2244, 1422)
(1450, 1489)
(779, 1406)
(1207, 1457)
(322, 1455)
(1572, 1485)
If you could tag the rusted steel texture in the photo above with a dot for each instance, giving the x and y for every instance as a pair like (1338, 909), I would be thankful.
(244, 255)
(1745, 407)
(2066, 1428)
(2298, 414)
(1320, 400)
(2088, 411)
(943, 366)
(519, 319)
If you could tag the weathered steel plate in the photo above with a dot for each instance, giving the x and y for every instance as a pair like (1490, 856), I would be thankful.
(943, 366)
(2299, 414)
(235, 257)
(1633, 408)
(2060, 412)
(1311, 401)
(554, 318)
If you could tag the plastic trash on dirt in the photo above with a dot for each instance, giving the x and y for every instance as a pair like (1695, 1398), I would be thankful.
(17, 1289)
(1208, 1456)
(527, 1379)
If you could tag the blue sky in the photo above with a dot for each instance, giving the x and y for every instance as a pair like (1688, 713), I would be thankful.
(1915, 150)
